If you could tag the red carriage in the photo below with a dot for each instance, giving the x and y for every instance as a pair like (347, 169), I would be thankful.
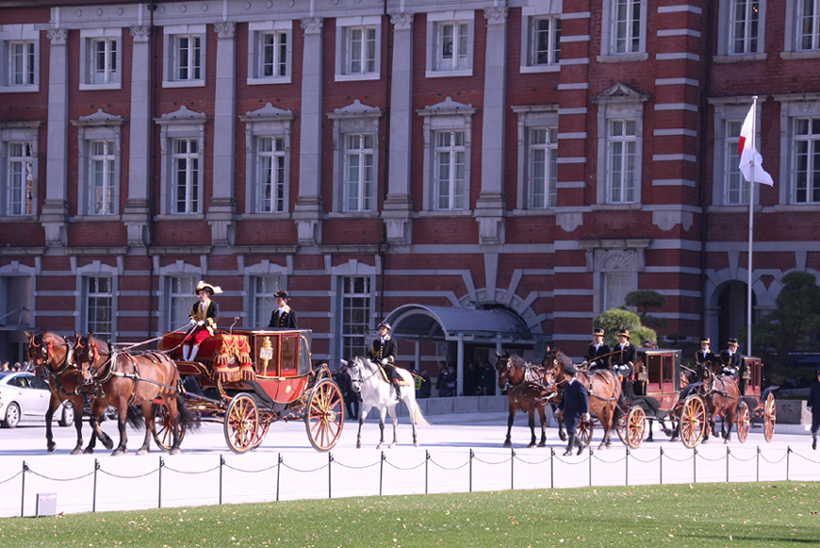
(249, 379)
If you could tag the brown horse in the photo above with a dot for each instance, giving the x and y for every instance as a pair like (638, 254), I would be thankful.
(525, 390)
(605, 397)
(55, 355)
(721, 396)
(123, 379)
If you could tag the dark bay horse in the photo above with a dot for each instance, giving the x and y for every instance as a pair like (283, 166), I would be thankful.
(525, 387)
(605, 397)
(721, 396)
(55, 355)
(123, 379)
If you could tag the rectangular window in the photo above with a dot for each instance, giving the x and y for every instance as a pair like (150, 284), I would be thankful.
(273, 58)
(358, 184)
(186, 176)
(181, 297)
(21, 63)
(355, 315)
(808, 25)
(101, 177)
(99, 306)
(626, 24)
(737, 188)
(20, 180)
(264, 288)
(807, 160)
(450, 170)
(546, 41)
(744, 15)
(452, 45)
(270, 161)
(543, 168)
(622, 141)
(361, 50)
(103, 66)
(187, 57)
(616, 287)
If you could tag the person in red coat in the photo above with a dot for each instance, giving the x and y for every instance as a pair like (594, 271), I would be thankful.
(203, 318)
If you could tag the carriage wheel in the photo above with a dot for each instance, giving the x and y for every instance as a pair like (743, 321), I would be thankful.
(692, 421)
(769, 417)
(636, 426)
(324, 417)
(744, 421)
(584, 432)
(261, 432)
(241, 423)
(163, 433)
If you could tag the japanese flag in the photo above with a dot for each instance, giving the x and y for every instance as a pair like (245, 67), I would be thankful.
(749, 154)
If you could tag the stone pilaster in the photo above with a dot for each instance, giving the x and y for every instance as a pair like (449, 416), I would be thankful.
(54, 217)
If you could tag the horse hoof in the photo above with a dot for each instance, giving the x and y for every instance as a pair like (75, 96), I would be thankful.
(392, 445)
(118, 453)
(532, 444)
(142, 451)
(175, 451)
(673, 438)
(108, 443)
(542, 444)
(379, 446)
(52, 447)
(415, 444)
(77, 451)
(88, 451)
(358, 445)
(507, 444)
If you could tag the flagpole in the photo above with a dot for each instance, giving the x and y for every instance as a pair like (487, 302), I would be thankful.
(751, 231)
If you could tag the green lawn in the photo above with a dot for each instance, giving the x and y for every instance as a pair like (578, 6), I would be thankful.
(736, 514)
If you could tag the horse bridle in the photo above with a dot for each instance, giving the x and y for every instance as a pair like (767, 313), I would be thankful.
(46, 349)
(361, 378)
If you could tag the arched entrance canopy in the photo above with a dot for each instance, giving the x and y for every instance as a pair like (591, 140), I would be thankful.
(415, 322)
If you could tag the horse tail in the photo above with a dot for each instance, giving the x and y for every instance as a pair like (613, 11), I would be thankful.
(418, 418)
(186, 417)
(135, 417)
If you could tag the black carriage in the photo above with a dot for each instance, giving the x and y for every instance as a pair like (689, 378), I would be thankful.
(248, 379)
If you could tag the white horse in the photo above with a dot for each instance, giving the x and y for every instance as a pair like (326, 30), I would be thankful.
(368, 381)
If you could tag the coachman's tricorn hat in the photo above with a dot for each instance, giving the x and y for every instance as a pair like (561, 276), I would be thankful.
(598, 331)
(212, 289)
(706, 340)
(733, 342)
(385, 324)
(281, 294)
(624, 333)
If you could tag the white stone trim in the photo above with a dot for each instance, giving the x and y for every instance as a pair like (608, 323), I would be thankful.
(255, 30)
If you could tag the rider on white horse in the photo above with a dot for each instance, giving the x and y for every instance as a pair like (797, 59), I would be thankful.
(383, 352)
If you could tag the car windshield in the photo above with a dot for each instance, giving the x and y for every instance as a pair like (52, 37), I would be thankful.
(6, 374)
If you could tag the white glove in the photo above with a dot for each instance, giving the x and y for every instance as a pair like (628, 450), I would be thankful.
(384, 361)
(200, 323)
(192, 322)
(585, 417)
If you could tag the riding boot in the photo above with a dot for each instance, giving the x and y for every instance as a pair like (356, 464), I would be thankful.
(814, 440)
(194, 350)
(398, 390)
(186, 350)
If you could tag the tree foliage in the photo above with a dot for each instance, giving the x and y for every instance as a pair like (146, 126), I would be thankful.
(612, 321)
(644, 300)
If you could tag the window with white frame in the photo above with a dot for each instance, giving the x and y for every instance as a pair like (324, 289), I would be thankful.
(621, 161)
(450, 38)
(360, 50)
(19, 58)
(181, 297)
(99, 299)
(19, 180)
(450, 170)
(543, 167)
(359, 181)
(270, 180)
(626, 26)
(736, 186)
(270, 46)
(356, 316)
(545, 41)
(103, 68)
(806, 160)
(616, 286)
(184, 50)
(744, 21)
(186, 189)
(264, 302)
(101, 175)
(808, 25)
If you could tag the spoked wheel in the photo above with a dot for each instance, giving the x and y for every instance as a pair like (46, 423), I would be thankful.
(324, 417)
(636, 427)
(744, 421)
(769, 417)
(584, 432)
(241, 423)
(261, 432)
(163, 433)
(692, 421)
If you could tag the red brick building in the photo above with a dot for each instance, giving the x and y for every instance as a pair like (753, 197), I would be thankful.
(400, 160)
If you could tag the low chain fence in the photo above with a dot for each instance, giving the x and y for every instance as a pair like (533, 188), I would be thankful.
(541, 473)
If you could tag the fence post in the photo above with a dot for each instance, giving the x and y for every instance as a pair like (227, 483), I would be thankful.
(470, 469)
(329, 477)
(590, 466)
(626, 480)
(552, 468)
(278, 473)
(728, 451)
(159, 494)
(221, 464)
(426, 469)
(512, 469)
(94, 494)
(23, 492)
(694, 465)
(758, 464)
(661, 464)
(381, 473)
(788, 452)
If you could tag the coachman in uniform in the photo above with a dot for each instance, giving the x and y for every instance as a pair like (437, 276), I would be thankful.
(574, 407)
(731, 360)
(383, 352)
(284, 317)
(597, 355)
(624, 355)
(705, 357)
(203, 318)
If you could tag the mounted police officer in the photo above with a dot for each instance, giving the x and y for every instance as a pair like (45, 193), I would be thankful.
(203, 318)
(284, 316)
(624, 355)
(383, 352)
(731, 359)
(598, 351)
(575, 407)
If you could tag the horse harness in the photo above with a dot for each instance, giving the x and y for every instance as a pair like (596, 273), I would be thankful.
(109, 371)
(48, 355)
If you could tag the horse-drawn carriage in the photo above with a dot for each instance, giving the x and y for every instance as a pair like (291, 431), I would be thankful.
(249, 379)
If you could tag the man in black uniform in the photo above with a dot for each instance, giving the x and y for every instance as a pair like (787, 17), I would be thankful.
(575, 407)
(624, 355)
(731, 359)
(383, 352)
(814, 404)
(284, 316)
(705, 357)
(597, 355)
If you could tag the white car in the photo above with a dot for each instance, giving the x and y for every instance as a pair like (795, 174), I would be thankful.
(24, 399)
